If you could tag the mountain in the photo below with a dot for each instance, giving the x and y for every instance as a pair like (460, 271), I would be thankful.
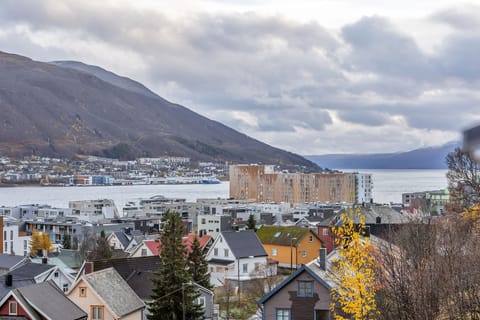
(424, 158)
(65, 108)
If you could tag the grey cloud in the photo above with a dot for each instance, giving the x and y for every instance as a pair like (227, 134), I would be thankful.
(288, 75)
(459, 57)
(376, 46)
(365, 117)
(465, 17)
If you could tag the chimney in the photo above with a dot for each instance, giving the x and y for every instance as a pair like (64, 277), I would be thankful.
(88, 267)
(8, 280)
(378, 220)
(44, 260)
(322, 258)
(1, 234)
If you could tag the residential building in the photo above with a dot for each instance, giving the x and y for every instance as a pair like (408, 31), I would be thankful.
(304, 295)
(106, 295)
(426, 202)
(40, 301)
(363, 188)
(262, 184)
(235, 256)
(290, 246)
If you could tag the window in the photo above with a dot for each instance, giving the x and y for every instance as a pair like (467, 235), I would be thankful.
(144, 252)
(11, 234)
(201, 302)
(274, 252)
(12, 308)
(55, 274)
(65, 287)
(282, 314)
(96, 312)
(6, 247)
(5, 235)
(310, 239)
(83, 292)
(325, 231)
(25, 244)
(215, 252)
(304, 253)
(304, 288)
(245, 267)
(225, 252)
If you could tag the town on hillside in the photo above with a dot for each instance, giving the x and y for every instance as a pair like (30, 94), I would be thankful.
(274, 249)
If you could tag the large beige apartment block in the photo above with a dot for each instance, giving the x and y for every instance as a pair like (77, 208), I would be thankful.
(261, 183)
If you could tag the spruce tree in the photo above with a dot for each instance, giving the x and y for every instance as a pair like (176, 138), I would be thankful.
(197, 265)
(102, 250)
(174, 294)
(251, 223)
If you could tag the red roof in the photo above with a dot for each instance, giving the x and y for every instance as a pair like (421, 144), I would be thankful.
(156, 247)
(153, 245)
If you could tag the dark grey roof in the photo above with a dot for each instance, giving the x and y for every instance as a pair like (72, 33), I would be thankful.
(115, 291)
(8, 261)
(48, 300)
(136, 233)
(16, 283)
(244, 243)
(138, 272)
(122, 237)
(220, 262)
(30, 270)
(387, 215)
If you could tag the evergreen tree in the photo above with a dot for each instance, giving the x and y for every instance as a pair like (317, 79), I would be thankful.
(102, 250)
(174, 294)
(197, 265)
(251, 223)
(66, 242)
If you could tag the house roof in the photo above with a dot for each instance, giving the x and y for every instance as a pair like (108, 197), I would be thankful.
(244, 243)
(138, 272)
(122, 237)
(284, 236)
(31, 270)
(114, 291)
(46, 299)
(188, 241)
(153, 245)
(387, 215)
(16, 283)
(8, 261)
(292, 277)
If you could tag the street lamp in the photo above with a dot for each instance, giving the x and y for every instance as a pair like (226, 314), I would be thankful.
(291, 254)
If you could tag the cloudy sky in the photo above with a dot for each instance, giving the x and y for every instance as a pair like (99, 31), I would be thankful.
(309, 76)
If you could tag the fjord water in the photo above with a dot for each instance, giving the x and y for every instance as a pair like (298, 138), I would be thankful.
(388, 187)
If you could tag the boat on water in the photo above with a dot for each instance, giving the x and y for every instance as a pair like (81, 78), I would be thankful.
(210, 181)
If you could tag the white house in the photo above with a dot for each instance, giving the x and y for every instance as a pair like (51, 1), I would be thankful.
(235, 256)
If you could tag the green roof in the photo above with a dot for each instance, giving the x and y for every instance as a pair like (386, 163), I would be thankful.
(285, 236)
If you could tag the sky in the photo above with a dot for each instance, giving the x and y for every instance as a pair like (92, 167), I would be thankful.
(307, 76)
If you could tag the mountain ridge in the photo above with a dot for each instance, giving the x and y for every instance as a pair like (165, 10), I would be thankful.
(64, 107)
(421, 158)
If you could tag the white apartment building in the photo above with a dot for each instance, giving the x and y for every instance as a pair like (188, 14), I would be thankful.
(363, 187)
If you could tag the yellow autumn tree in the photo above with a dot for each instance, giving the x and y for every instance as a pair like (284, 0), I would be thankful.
(353, 270)
(40, 242)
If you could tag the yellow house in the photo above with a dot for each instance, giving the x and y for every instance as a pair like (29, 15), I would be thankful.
(104, 295)
(290, 246)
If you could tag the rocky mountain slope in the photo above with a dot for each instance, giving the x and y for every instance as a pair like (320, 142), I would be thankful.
(66, 108)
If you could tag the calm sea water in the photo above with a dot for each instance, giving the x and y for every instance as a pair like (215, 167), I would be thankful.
(388, 187)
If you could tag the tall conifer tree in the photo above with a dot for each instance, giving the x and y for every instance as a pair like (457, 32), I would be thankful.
(174, 294)
(197, 265)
